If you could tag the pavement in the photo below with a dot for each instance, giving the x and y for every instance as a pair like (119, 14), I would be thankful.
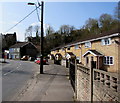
(53, 85)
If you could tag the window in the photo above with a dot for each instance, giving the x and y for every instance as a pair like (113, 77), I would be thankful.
(13, 49)
(76, 46)
(108, 60)
(10, 49)
(87, 44)
(18, 49)
(87, 60)
(106, 41)
(92, 58)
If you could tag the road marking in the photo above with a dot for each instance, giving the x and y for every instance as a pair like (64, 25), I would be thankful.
(11, 71)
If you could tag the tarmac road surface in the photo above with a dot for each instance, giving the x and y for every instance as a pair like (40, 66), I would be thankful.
(15, 76)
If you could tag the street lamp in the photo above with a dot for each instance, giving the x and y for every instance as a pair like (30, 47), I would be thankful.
(42, 34)
(31, 3)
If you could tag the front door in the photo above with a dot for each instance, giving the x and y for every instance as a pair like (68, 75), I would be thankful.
(87, 61)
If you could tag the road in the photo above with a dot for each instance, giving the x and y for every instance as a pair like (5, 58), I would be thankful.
(15, 76)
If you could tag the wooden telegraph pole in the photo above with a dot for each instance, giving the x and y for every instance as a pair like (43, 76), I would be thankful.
(42, 35)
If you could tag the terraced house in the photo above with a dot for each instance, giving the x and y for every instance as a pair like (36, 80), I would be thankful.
(103, 49)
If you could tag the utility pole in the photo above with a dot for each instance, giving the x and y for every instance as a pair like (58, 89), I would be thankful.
(42, 35)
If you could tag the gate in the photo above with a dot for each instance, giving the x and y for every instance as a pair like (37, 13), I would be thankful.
(72, 73)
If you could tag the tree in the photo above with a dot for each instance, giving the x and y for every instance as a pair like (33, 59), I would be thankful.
(37, 30)
(49, 30)
(117, 11)
(66, 29)
(28, 33)
(105, 22)
(92, 25)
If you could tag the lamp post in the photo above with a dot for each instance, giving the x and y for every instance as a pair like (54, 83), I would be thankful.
(42, 35)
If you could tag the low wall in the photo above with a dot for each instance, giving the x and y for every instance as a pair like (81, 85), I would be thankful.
(105, 85)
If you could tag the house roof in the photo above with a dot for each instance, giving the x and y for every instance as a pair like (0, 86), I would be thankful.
(95, 37)
(20, 44)
(94, 52)
(92, 38)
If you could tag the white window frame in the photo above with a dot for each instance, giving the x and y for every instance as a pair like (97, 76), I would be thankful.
(11, 50)
(76, 47)
(88, 45)
(107, 60)
(104, 42)
(18, 49)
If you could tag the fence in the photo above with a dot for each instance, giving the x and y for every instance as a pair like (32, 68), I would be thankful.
(71, 65)
(105, 85)
(110, 80)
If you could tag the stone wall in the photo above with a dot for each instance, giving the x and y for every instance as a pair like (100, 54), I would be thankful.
(105, 85)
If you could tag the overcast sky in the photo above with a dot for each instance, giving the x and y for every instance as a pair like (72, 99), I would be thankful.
(55, 14)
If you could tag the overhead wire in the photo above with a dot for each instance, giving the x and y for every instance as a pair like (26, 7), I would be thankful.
(38, 14)
(37, 11)
(22, 19)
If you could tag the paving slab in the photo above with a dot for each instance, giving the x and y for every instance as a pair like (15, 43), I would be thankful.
(53, 85)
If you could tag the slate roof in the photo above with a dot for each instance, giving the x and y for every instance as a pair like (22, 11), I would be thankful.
(89, 38)
(18, 45)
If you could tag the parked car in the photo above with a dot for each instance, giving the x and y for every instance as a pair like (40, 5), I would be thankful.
(38, 61)
(31, 59)
(25, 57)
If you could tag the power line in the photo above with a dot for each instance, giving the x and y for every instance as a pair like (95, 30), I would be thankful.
(37, 11)
(37, 14)
(22, 19)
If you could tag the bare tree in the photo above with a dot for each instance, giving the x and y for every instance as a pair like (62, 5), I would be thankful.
(37, 30)
(105, 20)
(117, 11)
(28, 32)
(49, 30)
(92, 25)
(66, 29)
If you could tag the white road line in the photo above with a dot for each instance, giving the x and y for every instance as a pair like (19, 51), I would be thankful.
(9, 72)
(12, 70)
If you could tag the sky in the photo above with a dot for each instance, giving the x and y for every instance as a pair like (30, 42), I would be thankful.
(55, 14)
